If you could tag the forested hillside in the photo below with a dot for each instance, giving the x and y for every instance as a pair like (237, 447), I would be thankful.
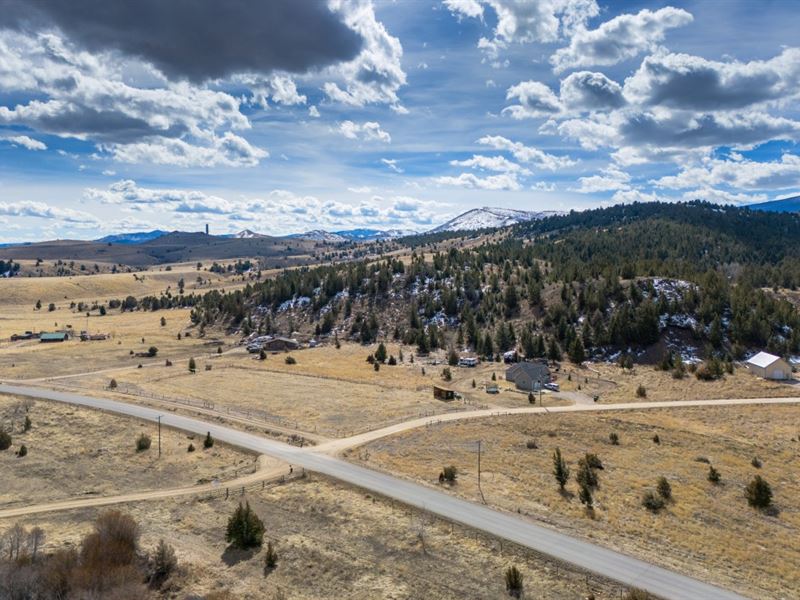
(596, 282)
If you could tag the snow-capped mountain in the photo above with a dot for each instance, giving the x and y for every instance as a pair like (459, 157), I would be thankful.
(246, 234)
(319, 235)
(487, 217)
(353, 235)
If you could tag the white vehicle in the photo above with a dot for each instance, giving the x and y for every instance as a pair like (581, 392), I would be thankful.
(553, 387)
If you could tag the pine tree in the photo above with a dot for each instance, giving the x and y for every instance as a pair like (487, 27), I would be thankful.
(560, 469)
(577, 354)
(192, 366)
(245, 530)
(380, 353)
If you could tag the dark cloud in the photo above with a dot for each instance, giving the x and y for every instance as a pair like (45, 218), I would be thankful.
(690, 82)
(199, 39)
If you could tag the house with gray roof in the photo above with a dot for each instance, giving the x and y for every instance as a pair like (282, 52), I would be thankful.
(528, 376)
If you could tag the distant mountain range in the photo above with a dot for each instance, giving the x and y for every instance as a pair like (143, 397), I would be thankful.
(488, 218)
(477, 218)
(132, 238)
(785, 205)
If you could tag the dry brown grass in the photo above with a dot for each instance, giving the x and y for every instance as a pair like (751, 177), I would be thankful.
(709, 531)
(32, 359)
(328, 391)
(75, 451)
(613, 384)
(23, 292)
(333, 542)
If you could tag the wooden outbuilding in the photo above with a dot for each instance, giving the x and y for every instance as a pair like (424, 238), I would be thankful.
(443, 393)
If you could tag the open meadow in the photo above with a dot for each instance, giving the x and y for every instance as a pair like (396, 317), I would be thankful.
(706, 530)
(330, 391)
(613, 384)
(78, 452)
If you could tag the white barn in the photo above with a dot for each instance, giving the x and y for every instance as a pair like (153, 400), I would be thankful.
(769, 366)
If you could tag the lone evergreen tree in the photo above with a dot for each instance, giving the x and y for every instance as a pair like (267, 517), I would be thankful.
(380, 353)
(192, 366)
(245, 529)
(758, 493)
(209, 441)
(560, 469)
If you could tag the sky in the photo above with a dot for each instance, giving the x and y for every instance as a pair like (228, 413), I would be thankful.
(293, 115)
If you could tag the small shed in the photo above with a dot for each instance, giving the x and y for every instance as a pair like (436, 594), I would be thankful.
(769, 366)
(492, 388)
(58, 336)
(443, 393)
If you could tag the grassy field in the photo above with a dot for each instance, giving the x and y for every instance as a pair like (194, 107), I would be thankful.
(130, 332)
(75, 452)
(333, 542)
(23, 292)
(708, 531)
(327, 391)
(613, 384)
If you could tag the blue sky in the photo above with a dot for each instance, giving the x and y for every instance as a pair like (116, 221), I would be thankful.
(385, 114)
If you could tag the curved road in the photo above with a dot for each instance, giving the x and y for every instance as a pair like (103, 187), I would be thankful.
(625, 569)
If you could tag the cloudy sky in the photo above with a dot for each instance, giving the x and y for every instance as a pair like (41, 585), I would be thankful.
(292, 115)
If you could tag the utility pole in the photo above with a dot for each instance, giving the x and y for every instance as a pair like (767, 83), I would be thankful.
(159, 436)
(480, 489)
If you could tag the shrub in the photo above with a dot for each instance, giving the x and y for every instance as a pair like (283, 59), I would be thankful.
(262, 355)
(192, 366)
(756, 462)
(190, 447)
(143, 442)
(613, 438)
(514, 581)
(152, 351)
(449, 474)
(758, 493)
(531, 398)
(447, 375)
(209, 441)
(5, 440)
(245, 530)
(494, 377)
(664, 488)
(23, 451)
(163, 321)
(637, 594)
(713, 475)
(652, 502)
(164, 561)
(560, 469)
(656, 439)
(167, 363)
(270, 558)
(112, 385)
(392, 361)
(641, 391)
(290, 360)
(208, 366)
(26, 426)
(473, 383)
(531, 445)
(219, 349)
